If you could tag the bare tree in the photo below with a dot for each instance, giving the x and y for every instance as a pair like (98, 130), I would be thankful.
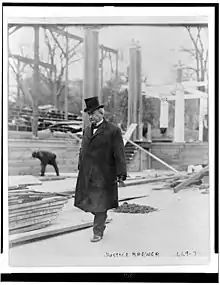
(199, 54)
(17, 68)
(56, 52)
(198, 72)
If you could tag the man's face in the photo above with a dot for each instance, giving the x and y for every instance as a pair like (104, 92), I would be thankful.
(95, 117)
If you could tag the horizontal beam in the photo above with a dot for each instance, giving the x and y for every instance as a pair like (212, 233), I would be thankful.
(78, 38)
(63, 33)
(173, 97)
(114, 21)
(31, 61)
(186, 84)
(194, 83)
(187, 97)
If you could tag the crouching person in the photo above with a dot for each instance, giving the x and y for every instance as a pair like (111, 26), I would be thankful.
(101, 166)
(45, 158)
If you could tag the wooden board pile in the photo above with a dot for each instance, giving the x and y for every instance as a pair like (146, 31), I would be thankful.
(189, 180)
(30, 210)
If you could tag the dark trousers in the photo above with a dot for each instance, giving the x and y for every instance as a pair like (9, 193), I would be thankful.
(99, 223)
(43, 167)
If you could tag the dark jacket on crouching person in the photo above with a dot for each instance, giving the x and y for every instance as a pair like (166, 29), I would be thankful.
(101, 162)
(45, 158)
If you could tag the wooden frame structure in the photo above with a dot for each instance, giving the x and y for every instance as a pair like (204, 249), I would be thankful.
(92, 61)
(180, 98)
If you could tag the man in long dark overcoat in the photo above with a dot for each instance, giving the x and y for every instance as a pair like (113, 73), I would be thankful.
(101, 166)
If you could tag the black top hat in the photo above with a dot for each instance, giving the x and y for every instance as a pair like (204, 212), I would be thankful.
(92, 104)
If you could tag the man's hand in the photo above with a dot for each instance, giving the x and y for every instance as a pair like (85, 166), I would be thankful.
(122, 177)
(121, 180)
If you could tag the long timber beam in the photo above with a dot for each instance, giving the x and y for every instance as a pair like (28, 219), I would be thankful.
(78, 38)
(31, 61)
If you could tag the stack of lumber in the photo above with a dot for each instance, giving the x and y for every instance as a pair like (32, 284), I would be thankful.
(194, 179)
(30, 210)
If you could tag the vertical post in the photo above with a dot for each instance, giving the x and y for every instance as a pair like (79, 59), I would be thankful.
(139, 110)
(101, 72)
(134, 93)
(131, 86)
(91, 69)
(55, 86)
(164, 113)
(18, 84)
(116, 84)
(149, 137)
(36, 82)
(179, 109)
(149, 159)
(116, 69)
(66, 80)
(201, 117)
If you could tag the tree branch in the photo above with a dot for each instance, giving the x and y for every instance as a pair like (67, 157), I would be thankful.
(17, 78)
(77, 59)
(192, 38)
(55, 39)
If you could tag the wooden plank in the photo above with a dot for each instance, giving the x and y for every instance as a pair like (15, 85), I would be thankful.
(33, 221)
(30, 199)
(30, 228)
(75, 37)
(22, 192)
(48, 232)
(31, 61)
(191, 179)
(25, 180)
(24, 216)
(37, 203)
(32, 209)
(151, 180)
(154, 156)
(16, 187)
(129, 132)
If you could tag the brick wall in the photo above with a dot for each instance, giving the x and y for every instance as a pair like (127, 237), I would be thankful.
(178, 155)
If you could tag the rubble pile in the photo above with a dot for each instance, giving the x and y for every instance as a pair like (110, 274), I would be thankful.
(134, 209)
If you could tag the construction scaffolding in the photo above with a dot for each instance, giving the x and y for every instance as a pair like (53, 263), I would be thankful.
(51, 67)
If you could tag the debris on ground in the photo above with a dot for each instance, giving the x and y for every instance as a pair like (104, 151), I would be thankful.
(134, 209)
(197, 179)
(195, 182)
(192, 178)
(194, 168)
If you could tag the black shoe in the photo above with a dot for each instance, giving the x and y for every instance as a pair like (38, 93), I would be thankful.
(96, 238)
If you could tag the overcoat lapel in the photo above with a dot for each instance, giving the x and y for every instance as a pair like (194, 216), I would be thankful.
(99, 131)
